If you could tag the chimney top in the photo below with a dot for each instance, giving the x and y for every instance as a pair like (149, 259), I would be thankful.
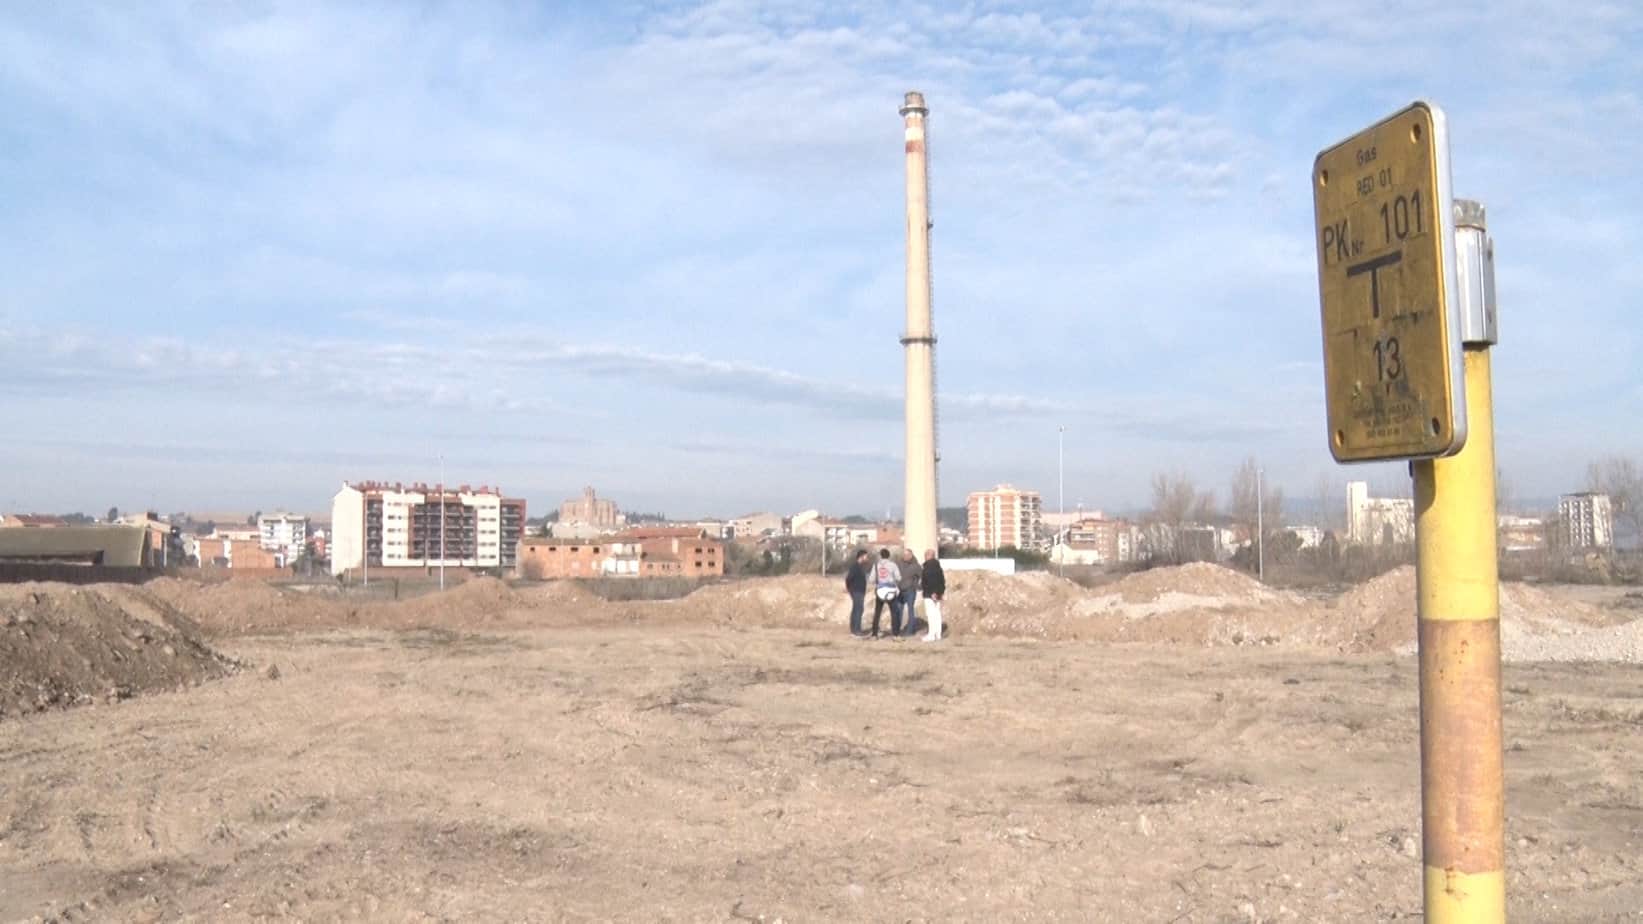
(914, 103)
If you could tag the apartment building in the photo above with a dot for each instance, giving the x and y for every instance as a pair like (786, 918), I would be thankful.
(756, 525)
(1005, 516)
(284, 534)
(1377, 520)
(1097, 541)
(381, 525)
(1585, 521)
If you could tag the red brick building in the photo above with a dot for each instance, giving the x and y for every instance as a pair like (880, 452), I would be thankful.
(636, 553)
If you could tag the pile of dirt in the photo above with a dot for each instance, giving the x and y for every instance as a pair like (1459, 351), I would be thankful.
(791, 601)
(1195, 604)
(1380, 615)
(1196, 579)
(240, 606)
(231, 607)
(1033, 604)
(476, 602)
(62, 645)
(1622, 642)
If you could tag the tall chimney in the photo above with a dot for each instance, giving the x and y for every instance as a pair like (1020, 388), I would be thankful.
(919, 340)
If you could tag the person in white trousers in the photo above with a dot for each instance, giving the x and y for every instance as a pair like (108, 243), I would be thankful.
(934, 582)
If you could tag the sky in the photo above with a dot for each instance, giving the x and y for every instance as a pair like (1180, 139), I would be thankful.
(253, 250)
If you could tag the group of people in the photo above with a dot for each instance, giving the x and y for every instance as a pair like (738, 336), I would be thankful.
(897, 586)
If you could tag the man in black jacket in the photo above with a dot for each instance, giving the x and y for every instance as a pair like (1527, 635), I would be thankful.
(855, 584)
(934, 581)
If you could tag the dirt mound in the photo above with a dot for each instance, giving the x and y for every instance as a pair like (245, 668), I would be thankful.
(1380, 614)
(1198, 579)
(251, 606)
(239, 606)
(789, 601)
(62, 645)
(1195, 604)
(475, 602)
(558, 594)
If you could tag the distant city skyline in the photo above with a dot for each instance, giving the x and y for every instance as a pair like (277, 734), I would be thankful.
(255, 252)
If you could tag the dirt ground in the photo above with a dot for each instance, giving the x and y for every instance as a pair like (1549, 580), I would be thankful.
(1179, 745)
(697, 773)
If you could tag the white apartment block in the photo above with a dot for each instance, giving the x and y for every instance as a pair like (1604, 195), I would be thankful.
(1586, 521)
(1377, 520)
(402, 526)
(285, 533)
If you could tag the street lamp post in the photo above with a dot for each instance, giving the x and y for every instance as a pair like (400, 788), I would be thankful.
(1061, 496)
(442, 521)
(1260, 524)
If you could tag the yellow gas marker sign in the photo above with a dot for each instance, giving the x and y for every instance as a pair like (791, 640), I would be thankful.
(1393, 374)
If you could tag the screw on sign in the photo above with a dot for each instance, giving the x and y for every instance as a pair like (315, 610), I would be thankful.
(1386, 281)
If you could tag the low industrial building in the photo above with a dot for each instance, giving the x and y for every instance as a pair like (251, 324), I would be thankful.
(75, 553)
(635, 553)
(1522, 534)
(240, 555)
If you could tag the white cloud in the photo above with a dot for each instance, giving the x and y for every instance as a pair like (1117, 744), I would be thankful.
(690, 217)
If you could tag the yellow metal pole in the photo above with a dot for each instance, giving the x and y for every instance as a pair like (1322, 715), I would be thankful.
(1463, 806)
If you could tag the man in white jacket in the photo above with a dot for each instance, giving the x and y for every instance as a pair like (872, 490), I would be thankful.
(886, 590)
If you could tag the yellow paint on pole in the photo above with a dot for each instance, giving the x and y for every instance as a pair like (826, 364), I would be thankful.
(1453, 897)
(1463, 806)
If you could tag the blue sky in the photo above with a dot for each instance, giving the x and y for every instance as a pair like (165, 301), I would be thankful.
(252, 250)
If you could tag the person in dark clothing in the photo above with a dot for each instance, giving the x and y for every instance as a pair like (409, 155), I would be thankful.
(935, 588)
(886, 578)
(855, 584)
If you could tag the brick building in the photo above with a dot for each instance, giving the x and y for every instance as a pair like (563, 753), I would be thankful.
(235, 554)
(1005, 516)
(31, 521)
(635, 553)
(1097, 541)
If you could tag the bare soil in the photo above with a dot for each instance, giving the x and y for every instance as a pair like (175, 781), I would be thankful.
(62, 645)
(528, 753)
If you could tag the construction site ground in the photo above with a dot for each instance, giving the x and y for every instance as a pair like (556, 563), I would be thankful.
(1182, 745)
